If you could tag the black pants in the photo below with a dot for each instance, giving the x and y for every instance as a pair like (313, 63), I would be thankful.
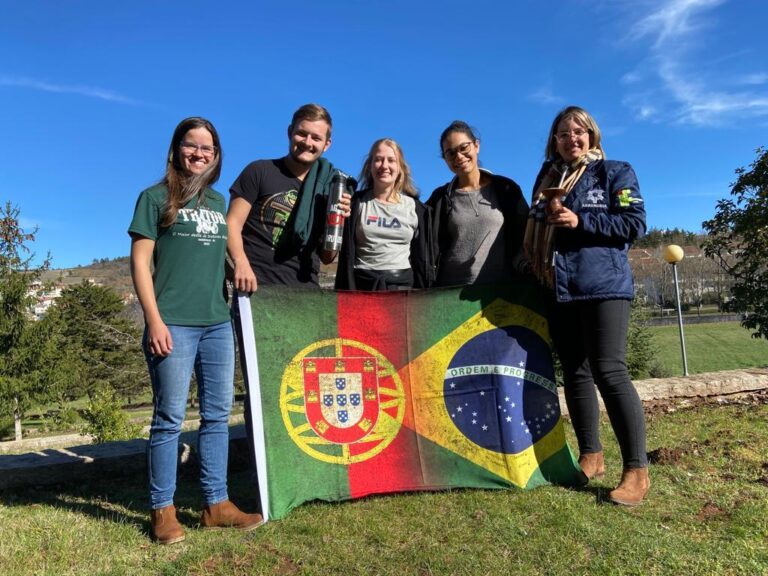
(383, 280)
(591, 340)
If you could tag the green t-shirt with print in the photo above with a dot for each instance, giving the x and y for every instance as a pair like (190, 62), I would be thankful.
(188, 257)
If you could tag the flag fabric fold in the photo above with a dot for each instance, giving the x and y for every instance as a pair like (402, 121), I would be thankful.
(356, 393)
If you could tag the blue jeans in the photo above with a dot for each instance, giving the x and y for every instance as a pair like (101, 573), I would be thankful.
(210, 350)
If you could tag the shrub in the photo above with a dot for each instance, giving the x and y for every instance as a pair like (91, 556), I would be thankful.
(106, 421)
(6, 428)
(658, 370)
(65, 419)
(640, 346)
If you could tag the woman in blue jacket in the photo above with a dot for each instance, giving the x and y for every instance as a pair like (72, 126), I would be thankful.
(585, 213)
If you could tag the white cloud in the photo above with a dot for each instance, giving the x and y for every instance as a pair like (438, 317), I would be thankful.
(702, 104)
(631, 78)
(690, 89)
(673, 20)
(645, 111)
(544, 95)
(79, 89)
(753, 79)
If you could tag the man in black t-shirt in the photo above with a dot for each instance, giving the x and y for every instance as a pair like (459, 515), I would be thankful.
(262, 200)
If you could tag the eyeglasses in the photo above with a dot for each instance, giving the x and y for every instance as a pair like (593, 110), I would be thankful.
(565, 135)
(451, 153)
(205, 150)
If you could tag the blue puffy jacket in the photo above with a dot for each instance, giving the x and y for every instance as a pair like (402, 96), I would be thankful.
(591, 260)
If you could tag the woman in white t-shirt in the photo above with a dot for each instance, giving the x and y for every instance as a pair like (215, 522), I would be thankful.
(386, 238)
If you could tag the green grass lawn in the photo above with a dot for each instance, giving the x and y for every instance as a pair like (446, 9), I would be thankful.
(710, 347)
(707, 514)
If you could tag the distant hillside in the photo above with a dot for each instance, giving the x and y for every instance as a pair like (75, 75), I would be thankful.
(114, 273)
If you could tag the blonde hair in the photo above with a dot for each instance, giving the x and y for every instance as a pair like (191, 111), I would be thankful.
(404, 183)
(583, 119)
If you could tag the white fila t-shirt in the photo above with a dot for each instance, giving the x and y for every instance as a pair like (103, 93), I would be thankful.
(384, 233)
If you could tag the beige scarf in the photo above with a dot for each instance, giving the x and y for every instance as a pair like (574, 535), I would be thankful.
(539, 236)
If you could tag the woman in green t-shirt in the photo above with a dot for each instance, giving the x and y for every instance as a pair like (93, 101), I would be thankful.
(179, 228)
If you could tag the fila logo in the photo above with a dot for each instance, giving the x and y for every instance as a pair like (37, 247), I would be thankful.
(382, 222)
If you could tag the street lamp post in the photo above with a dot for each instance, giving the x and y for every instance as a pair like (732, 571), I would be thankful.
(673, 254)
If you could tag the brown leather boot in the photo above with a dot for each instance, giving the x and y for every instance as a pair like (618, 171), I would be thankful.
(224, 514)
(593, 465)
(633, 487)
(165, 528)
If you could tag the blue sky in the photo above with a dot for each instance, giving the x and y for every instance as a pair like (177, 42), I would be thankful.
(91, 90)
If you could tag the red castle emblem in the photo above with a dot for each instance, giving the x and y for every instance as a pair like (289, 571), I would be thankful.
(341, 397)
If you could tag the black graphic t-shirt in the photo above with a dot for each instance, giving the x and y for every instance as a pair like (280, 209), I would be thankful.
(271, 190)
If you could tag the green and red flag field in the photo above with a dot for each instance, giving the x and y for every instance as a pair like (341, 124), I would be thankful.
(356, 393)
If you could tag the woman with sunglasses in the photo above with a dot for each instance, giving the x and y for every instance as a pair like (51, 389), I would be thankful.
(178, 242)
(386, 243)
(479, 217)
(586, 212)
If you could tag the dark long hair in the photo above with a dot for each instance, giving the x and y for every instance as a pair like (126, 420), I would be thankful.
(183, 186)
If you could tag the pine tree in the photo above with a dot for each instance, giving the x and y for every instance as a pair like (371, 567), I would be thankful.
(103, 341)
(26, 345)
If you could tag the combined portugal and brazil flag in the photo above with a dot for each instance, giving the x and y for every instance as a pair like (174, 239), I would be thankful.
(356, 393)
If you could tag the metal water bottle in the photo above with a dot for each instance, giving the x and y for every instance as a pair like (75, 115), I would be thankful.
(334, 222)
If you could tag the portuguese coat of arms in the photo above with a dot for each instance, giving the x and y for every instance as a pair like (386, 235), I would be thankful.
(341, 397)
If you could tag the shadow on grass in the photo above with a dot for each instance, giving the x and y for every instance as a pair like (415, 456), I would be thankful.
(122, 496)
(599, 493)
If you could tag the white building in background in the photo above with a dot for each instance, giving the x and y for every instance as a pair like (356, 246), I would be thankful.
(45, 296)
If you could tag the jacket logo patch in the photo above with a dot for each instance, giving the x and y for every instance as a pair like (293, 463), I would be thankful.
(626, 199)
(595, 199)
